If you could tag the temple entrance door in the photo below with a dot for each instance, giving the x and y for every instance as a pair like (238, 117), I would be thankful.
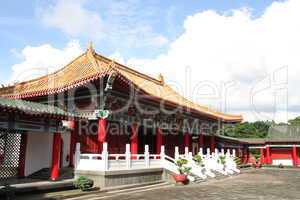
(195, 148)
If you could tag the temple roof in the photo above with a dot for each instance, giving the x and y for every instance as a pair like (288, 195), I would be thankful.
(32, 108)
(91, 66)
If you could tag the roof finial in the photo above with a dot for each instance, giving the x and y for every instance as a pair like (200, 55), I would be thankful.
(90, 47)
(161, 79)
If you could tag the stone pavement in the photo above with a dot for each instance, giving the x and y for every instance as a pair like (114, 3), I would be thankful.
(264, 184)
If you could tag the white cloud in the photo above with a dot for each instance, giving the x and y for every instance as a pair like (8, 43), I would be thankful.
(72, 18)
(44, 59)
(235, 46)
(119, 23)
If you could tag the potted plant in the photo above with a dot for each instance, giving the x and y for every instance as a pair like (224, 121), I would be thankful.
(257, 161)
(183, 171)
(84, 183)
(222, 160)
(199, 161)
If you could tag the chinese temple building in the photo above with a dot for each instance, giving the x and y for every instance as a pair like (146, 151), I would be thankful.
(281, 147)
(112, 103)
(27, 130)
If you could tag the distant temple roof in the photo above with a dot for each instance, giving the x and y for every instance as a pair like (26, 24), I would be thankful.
(32, 108)
(91, 66)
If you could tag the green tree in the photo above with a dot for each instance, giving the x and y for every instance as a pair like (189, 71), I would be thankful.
(258, 129)
(294, 122)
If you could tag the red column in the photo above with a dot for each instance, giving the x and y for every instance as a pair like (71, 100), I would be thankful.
(262, 156)
(212, 143)
(237, 152)
(55, 156)
(73, 143)
(201, 141)
(159, 140)
(134, 139)
(245, 155)
(295, 156)
(101, 133)
(187, 140)
(268, 159)
(22, 158)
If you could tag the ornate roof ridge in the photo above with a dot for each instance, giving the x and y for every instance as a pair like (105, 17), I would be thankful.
(47, 75)
(128, 69)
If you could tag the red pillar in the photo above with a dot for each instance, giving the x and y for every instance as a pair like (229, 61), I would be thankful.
(159, 140)
(101, 133)
(245, 155)
(237, 152)
(134, 139)
(212, 143)
(295, 156)
(268, 159)
(187, 140)
(22, 158)
(201, 141)
(73, 143)
(55, 156)
(262, 156)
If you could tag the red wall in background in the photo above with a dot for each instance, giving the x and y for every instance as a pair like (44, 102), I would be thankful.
(281, 153)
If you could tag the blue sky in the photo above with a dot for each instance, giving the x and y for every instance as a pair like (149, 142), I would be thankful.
(200, 46)
(21, 25)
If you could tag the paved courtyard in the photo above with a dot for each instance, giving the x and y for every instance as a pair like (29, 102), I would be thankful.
(273, 184)
(258, 184)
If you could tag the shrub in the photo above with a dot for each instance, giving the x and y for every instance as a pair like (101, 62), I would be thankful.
(222, 160)
(198, 160)
(181, 166)
(84, 183)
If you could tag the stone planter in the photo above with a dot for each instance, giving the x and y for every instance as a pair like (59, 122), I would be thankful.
(180, 178)
(258, 165)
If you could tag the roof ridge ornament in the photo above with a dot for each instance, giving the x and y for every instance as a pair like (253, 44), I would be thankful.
(161, 78)
(91, 47)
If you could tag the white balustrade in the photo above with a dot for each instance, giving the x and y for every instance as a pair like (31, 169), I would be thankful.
(128, 156)
(127, 161)
(147, 154)
(176, 153)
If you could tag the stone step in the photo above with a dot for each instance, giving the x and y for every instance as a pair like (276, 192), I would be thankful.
(45, 173)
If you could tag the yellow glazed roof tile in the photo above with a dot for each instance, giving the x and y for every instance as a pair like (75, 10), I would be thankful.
(90, 66)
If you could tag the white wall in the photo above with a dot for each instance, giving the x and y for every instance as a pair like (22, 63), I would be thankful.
(285, 162)
(38, 152)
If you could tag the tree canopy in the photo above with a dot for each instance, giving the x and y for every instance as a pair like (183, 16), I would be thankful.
(294, 122)
(258, 129)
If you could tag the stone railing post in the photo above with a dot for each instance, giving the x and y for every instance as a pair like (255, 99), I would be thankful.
(77, 155)
(200, 152)
(162, 153)
(105, 156)
(222, 152)
(190, 156)
(176, 156)
(186, 152)
(147, 161)
(233, 153)
(216, 151)
(217, 154)
(208, 152)
(128, 156)
(228, 152)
